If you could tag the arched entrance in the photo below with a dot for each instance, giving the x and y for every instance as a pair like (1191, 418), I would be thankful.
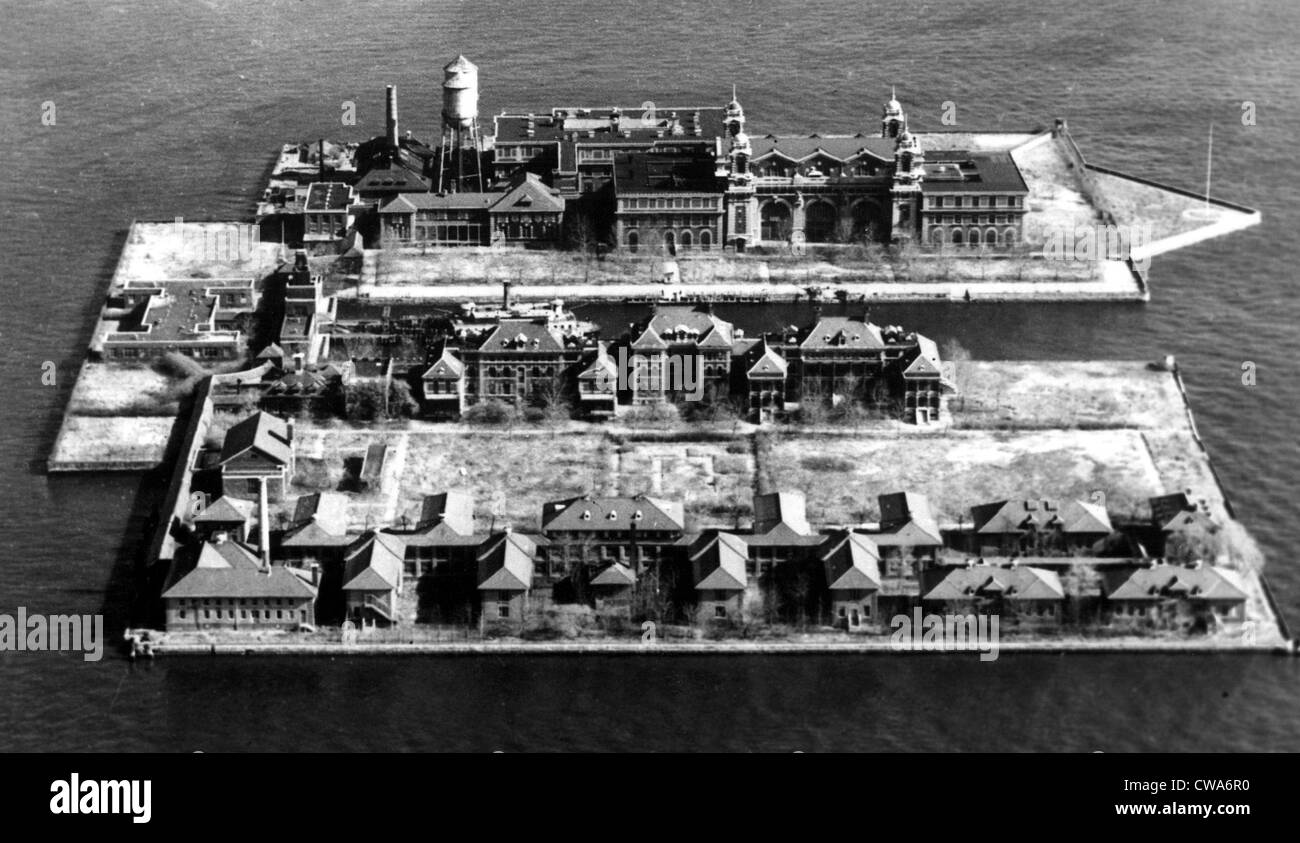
(868, 221)
(633, 241)
(820, 219)
(775, 221)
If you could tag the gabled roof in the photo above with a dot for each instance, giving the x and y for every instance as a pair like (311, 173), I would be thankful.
(766, 362)
(718, 562)
(319, 520)
(927, 363)
(1158, 582)
(852, 562)
(505, 563)
(453, 508)
(649, 340)
(843, 332)
(404, 176)
(374, 563)
(405, 203)
(1190, 520)
(260, 432)
(602, 367)
(231, 570)
(681, 324)
(521, 334)
(1005, 517)
(528, 194)
(613, 514)
(1019, 582)
(328, 196)
(780, 519)
(838, 147)
(447, 367)
(226, 509)
(615, 574)
(906, 520)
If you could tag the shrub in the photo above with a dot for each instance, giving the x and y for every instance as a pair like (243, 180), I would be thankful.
(490, 412)
(826, 463)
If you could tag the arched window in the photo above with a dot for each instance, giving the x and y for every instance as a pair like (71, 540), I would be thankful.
(973, 237)
(957, 237)
(670, 243)
(775, 221)
(820, 219)
(991, 237)
(686, 240)
(633, 241)
(1009, 237)
(706, 239)
(867, 220)
(936, 236)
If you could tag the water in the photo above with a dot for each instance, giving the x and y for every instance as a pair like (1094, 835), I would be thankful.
(166, 109)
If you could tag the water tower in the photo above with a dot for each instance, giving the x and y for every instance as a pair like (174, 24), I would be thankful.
(460, 166)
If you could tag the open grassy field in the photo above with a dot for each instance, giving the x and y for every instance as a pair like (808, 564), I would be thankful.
(1136, 444)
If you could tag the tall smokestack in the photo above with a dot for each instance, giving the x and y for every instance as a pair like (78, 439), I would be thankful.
(392, 117)
(320, 154)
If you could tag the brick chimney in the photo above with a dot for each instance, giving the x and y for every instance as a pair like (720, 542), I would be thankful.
(391, 114)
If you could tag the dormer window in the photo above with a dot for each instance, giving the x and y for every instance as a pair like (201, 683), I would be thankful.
(613, 515)
(637, 516)
(586, 515)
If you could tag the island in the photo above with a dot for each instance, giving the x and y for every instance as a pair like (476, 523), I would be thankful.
(382, 430)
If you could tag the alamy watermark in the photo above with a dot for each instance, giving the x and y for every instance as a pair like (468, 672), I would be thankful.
(946, 633)
(47, 633)
(677, 372)
(1099, 243)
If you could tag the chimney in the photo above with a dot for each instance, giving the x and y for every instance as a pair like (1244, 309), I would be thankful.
(505, 295)
(297, 362)
(392, 116)
(264, 525)
(320, 152)
(289, 428)
(315, 574)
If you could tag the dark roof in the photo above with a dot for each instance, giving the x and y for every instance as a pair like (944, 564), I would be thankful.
(447, 367)
(328, 196)
(1158, 582)
(406, 203)
(262, 432)
(1006, 517)
(374, 563)
(615, 574)
(840, 147)
(852, 562)
(452, 508)
(958, 171)
(527, 194)
(229, 569)
(718, 562)
(319, 520)
(1018, 582)
(524, 334)
(505, 563)
(685, 324)
(842, 332)
(656, 172)
(561, 123)
(613, 514)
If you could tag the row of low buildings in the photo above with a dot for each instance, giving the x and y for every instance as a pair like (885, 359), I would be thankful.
(1041, 562)
(689, 354)
(679, 178)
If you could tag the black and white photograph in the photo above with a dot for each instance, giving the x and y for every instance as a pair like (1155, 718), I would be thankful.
(386, 381)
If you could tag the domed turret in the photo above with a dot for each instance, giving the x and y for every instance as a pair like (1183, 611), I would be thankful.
(735, 115)
(893, 122)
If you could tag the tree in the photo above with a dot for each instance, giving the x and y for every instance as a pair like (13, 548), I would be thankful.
(957, 367)
(367, 399)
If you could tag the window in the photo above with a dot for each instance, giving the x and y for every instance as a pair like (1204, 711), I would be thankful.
(719, 611)
(503, 610)
(842, 612)
(706, 239)
(182, 614)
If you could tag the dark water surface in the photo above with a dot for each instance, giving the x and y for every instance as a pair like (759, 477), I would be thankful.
(167, 108)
